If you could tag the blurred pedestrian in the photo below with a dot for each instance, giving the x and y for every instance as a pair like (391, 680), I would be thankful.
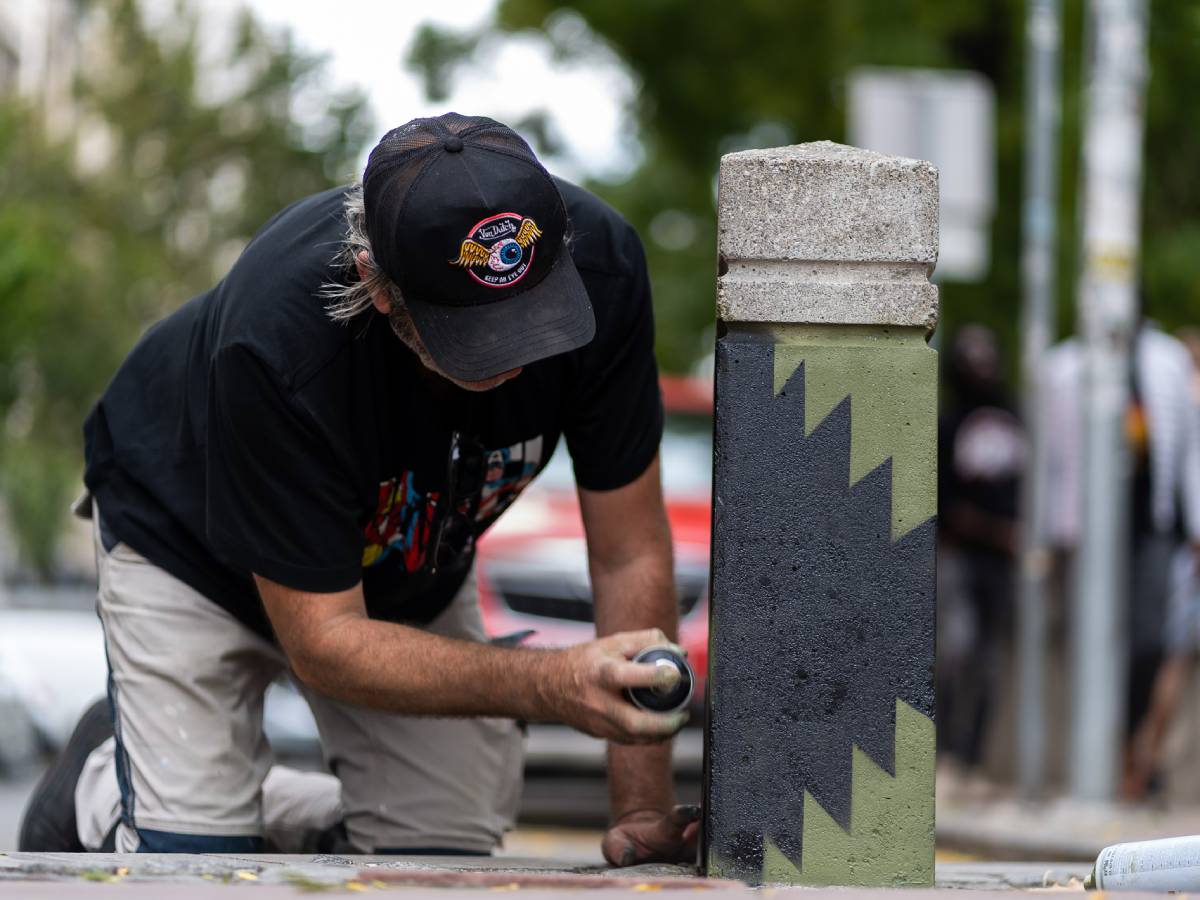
(1181, 638)
(982, 449)
(1163, 479)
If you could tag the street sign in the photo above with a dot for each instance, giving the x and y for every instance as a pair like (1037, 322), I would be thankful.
(948, 118)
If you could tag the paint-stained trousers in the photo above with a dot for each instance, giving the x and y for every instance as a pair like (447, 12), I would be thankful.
(191, 771)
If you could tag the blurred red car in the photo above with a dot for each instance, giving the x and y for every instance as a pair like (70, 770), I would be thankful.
(531, 566)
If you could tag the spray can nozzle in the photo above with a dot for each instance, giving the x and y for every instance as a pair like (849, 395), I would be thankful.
(664, 699)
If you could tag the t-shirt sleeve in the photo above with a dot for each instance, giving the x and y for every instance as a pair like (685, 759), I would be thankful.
(615, 418)
(278, 502)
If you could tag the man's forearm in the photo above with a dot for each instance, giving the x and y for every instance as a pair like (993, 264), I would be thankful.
(407, 670)
(337, 650)
(638, 594)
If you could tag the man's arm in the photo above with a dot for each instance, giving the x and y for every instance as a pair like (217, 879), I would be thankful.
(335, 649)
(633, 585)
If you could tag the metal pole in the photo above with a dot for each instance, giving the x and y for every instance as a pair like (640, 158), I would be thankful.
(1112, 187)
(1039, 230)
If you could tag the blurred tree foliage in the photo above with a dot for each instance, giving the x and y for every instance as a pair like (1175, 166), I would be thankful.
(714, 77)
(142, 202)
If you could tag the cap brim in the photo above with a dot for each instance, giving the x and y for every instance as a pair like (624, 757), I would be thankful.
(475, 343)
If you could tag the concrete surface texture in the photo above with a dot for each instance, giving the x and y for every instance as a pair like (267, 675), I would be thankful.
(821, 738)
(182, 875)
(1005, 828)
(826, 233)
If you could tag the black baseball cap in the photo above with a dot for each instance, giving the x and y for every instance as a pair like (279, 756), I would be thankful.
(472, 229)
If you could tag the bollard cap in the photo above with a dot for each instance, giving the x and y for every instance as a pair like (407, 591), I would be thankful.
(827, 201)
(827, 234)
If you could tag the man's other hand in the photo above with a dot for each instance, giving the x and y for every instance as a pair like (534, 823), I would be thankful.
(587, 691)
(652, 836)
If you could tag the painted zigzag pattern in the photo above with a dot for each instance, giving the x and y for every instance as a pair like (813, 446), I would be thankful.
(848, 610)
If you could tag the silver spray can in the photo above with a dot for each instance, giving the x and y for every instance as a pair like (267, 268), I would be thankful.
(666, 700)
(1171, 864)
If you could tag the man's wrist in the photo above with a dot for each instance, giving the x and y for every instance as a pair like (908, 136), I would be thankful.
(627, 810)
(640, 778)
(540, 674)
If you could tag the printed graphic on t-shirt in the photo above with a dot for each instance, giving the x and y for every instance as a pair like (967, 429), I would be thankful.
(509, 472)
(403, 523)
(405, 518)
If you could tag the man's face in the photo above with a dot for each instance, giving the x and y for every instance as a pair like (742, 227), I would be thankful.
(402, 325)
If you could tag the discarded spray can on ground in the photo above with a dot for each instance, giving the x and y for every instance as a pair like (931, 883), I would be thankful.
(666, 700)
(1171, 864)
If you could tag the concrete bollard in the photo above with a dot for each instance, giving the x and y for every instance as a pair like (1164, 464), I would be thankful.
(820, 749)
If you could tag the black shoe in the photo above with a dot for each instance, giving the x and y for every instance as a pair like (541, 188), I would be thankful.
(49, 825)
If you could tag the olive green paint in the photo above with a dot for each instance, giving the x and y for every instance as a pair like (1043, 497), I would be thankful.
(891, 836)
(797, 790)
(890, 376)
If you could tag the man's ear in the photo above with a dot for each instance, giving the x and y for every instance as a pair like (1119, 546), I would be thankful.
(363, 262)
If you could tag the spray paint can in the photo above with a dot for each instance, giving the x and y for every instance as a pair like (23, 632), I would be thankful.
(1171, 864)
(667, 700)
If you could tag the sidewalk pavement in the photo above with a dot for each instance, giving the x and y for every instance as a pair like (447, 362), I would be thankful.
(117, 876)
(997, 828)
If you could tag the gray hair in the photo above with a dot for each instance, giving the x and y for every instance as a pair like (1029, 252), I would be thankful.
(346, 298)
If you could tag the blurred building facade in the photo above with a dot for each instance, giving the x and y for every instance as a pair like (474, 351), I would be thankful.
(10, 57)
(39, 54)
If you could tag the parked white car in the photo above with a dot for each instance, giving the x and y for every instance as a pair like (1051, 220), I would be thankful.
(52, 668)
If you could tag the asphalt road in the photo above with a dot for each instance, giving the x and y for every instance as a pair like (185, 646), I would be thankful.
(13, 793)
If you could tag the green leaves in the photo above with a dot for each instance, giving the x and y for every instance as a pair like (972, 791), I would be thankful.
(714, 77)
(435, 53)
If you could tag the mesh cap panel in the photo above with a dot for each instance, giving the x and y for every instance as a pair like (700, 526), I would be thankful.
(401, 155)
(504, 139)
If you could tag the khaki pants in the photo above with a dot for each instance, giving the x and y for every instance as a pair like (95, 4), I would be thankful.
(190, 769)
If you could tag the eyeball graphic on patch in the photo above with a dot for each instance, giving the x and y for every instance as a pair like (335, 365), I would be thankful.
(505, 255)
(499, 250)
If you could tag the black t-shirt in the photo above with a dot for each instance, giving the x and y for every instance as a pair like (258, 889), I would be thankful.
(249, 433)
